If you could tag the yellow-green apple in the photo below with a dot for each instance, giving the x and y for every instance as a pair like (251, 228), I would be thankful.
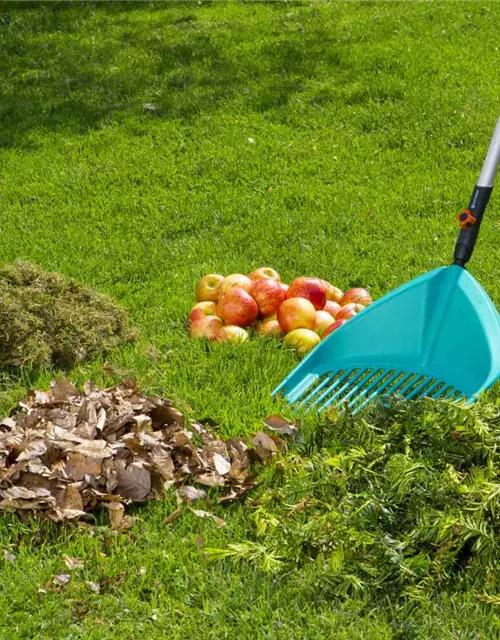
(232, 333)
(285, 287)
(323, 320)
(269, 327)
(235, 280)
(264, 272)
(296, 313)
(332, 327)
(332, 293)
(268, 295)
(207, 327)
(358, 295)
(236, 306)
(303, 340)
(206, 308)
(349, 310)
(309, 288)
(332, 307)
(208, 287)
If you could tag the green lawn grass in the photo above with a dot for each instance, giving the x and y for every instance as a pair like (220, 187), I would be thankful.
(370, 122)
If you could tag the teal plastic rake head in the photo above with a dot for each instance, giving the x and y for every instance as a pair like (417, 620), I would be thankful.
(437, 336)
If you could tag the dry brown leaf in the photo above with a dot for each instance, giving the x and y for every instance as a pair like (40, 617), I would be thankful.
(134, 482)
(14, 493)
(73, 563)
(62, 578)
(61, 390)
(222, 466)
(79, 465)
(210, 479)
(239, 470)
(264, 441)
(281, 425)
(34, 449)
(206, 514)
(93, 586)
(70, 498)
(10, 423)
(97, 449)
(192, 493)
(173, 516)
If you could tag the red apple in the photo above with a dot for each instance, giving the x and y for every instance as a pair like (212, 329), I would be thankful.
(236, 306)
(208, 287)
(323, 320)
(356, 295)
(232, 333)
(268, 295)
(348, 311)
(202, 309)
(264, 272)
(303, 340)
(269, 327)
(285, 287)
(296, 313)
(235, 280)
(332, 293)
(332, 327)
(332, 307)
(309, 288)
(207, 327)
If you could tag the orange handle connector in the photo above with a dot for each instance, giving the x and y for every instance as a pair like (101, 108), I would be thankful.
(466, 219)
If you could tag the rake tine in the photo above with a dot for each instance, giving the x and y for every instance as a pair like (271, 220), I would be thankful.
(372, 384)
(413, 378)
(331, 388)
(431, 388)
(294, 394)
(397, 384)
(437, 393)
(389, 391)
(417, 389)
(366, 379)
(341, 390)
(318, 388)
(375, 393)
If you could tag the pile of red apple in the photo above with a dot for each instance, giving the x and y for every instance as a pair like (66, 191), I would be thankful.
(304, 312)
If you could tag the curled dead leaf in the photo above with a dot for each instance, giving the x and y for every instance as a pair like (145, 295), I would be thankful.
(222, 466)
(191, 493)
(280, 425)
(206, 514)
(134, 482)
(173, 516)
(73, 563)
(93, 586)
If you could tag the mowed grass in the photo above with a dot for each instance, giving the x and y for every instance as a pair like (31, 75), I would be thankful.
(369, 124)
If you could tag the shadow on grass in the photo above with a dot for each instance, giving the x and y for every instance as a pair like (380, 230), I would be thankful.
(77, 66)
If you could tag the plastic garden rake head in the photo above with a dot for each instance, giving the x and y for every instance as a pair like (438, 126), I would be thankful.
(437, 336)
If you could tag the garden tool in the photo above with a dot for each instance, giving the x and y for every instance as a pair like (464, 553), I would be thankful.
(438, 336)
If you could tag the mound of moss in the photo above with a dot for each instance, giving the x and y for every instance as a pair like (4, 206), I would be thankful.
(47, 319)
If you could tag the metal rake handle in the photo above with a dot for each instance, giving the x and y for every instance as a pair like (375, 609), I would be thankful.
(470, 219)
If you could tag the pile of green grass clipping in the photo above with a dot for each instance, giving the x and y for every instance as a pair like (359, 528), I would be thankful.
(47, 319)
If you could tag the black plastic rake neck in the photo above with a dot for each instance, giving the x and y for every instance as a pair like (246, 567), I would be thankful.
(470, 219)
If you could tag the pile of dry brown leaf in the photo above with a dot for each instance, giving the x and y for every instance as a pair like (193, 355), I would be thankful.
(63, 453)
